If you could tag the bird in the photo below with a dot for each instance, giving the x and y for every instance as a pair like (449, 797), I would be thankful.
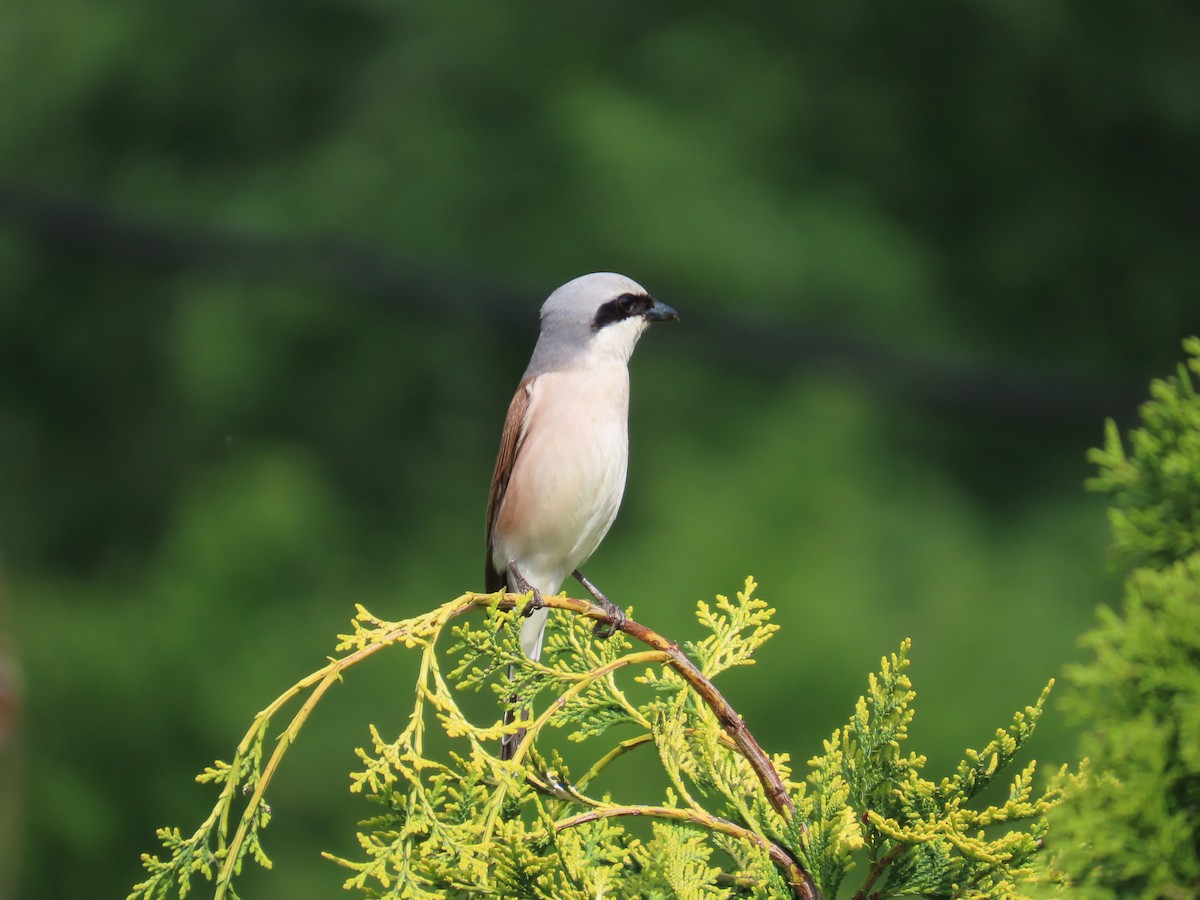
(564, 448)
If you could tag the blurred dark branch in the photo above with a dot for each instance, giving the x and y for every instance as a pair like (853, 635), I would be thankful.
(373, 274)
(89, 226)
(1010, 392)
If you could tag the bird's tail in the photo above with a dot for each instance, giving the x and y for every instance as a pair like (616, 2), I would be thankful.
(533, 629)
(510, 743)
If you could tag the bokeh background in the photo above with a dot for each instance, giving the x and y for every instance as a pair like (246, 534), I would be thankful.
(269, 273)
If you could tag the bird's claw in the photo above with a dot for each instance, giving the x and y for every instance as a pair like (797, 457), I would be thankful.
(613, 620)
(535, 603)
(614, 616)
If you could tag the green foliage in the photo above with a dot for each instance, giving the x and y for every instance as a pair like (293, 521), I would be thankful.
(1155, 486)
(922, 837)
(1135, 832)
(454, 820)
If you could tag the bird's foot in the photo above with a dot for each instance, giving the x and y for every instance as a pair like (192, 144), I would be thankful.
(535, 602)
(607, 627)
(615, 616)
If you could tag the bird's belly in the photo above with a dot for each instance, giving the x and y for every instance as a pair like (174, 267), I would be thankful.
(569, 500)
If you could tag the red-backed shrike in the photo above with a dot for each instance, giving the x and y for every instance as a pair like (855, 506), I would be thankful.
(564, 449)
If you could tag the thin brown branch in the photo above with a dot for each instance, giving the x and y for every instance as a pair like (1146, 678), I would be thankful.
(878, 869)
(799, 881)
(673, 656)
(733, 724)
(620, 750)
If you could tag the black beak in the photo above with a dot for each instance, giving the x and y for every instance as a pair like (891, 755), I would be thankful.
(660, 312)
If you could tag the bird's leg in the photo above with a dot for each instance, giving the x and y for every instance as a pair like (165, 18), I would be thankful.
(524, 587)
(606, 627)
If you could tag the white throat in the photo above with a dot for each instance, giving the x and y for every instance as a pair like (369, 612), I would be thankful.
(559, 351)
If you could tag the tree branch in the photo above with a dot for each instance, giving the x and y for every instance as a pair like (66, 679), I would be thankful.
(735, 727)
(799, 880)
(375, 274)
(876, 870)
(733, 724)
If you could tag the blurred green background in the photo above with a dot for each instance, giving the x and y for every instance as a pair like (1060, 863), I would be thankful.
(271, 271)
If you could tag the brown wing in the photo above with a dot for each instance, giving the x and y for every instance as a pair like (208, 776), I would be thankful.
(510, 446)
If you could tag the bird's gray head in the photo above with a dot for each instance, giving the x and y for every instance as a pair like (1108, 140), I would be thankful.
(592, 318)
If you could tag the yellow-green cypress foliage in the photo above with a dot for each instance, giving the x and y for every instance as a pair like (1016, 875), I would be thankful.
(730, 821)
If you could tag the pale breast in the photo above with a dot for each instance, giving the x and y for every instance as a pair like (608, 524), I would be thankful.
(569, 475)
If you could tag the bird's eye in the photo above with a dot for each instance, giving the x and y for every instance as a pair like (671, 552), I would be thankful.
(623, 306)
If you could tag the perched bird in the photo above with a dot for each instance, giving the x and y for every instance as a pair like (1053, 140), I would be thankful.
(564, 450)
